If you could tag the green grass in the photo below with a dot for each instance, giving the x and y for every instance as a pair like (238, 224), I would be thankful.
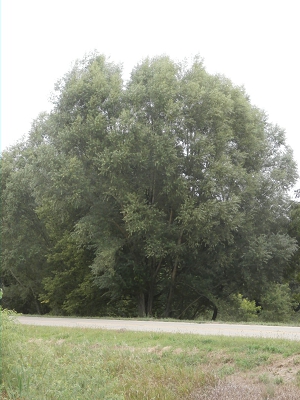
(69, 363)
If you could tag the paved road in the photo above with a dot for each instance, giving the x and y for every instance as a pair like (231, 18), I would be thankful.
(280, 332)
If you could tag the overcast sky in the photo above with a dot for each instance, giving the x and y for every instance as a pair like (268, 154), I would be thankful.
(255, 43)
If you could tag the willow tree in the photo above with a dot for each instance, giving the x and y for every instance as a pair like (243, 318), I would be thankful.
(169, 192)
(197, 181)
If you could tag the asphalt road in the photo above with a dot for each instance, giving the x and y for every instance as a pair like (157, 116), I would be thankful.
(277, 332)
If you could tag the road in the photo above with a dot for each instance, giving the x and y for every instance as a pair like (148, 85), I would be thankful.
(277, 332)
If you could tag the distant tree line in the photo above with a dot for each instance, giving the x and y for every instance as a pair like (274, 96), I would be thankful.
(164, 196)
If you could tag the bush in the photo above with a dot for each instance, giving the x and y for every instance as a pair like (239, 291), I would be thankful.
(277, 304)
(239, 308)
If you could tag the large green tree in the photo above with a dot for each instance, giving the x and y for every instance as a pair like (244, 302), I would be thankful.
(169, 192)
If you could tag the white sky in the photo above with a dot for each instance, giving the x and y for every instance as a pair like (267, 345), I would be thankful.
(255, 43)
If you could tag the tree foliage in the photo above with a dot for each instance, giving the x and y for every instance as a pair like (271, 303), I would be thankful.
(162, 196)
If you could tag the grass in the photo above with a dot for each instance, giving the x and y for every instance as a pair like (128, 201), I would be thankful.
(50, 363)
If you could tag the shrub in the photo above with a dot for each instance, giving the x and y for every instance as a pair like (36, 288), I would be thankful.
(277, 303)
(239, 308)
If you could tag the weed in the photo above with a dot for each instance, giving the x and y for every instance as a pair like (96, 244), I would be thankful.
(268, 392)
(264, 378)
(278, 380)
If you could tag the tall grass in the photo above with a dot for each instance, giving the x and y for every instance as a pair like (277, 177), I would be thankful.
(69, 363)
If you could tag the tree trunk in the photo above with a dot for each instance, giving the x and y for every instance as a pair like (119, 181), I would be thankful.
(37, 306)
(150, 299)
(155, 271)
(171, 290)
(173, 278)
(215, 313)
(141, 305)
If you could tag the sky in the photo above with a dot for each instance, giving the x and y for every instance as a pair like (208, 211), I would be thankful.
(255, 43)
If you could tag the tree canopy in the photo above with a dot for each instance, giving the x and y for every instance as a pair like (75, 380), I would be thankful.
(159, 196)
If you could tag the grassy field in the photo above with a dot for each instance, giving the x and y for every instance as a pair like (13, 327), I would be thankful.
(68, 364)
